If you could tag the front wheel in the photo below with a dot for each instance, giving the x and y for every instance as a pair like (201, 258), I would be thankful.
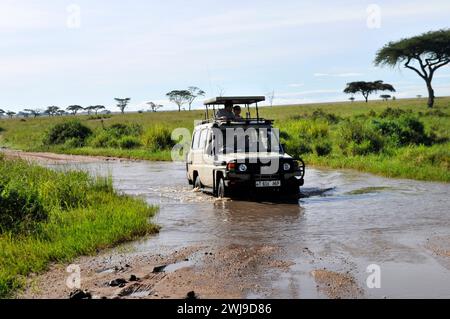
(197, 183)
(222, 190)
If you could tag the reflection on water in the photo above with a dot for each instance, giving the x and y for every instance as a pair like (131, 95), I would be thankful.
(341, 215)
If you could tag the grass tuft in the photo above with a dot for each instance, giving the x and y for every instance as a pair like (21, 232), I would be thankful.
(48, 216)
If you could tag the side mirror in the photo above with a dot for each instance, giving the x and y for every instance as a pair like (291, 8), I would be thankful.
(283, 148)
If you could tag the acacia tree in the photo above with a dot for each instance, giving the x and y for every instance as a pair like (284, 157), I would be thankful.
(122, 103)
(423, 54)
(154, 107)
(352, 99)
(2, 112)
(195, 92)
(179, 97)
(385, 97)
(98, 108)
(51, 110)
(10, 114)
(23, 113)
(367, 88)
(74, 109)
(34, 112)
(89, 109)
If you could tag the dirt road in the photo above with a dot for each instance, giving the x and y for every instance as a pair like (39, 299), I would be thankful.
(322, 247)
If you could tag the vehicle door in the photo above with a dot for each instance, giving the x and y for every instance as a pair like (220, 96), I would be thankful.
(192, 160)
(208, 160)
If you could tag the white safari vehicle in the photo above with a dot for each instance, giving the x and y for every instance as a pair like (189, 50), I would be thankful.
(230, 157)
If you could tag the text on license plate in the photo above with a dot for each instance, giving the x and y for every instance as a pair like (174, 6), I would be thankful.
(268, 183)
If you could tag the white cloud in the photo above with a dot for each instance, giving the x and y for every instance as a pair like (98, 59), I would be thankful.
(296, 85)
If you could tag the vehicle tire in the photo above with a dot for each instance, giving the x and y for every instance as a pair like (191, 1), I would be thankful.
(197, 183)
(292, 191)
(222, 191)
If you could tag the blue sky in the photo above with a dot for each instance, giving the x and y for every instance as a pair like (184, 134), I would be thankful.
(305, 52)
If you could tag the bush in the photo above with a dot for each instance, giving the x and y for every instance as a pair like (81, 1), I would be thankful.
(99, 117)
(329, 117)
(158, 138)
(62, 132)
(402, 131)
(101, 139)
(305, 136)
(20, 207)
(117, 135)
(129, 142)
(358, 138)
(436, 156)
(390, 112)
(323, 148)
(372, 113)
(434, 112)
(48, 216)
(297, 147)
(120, 130)
(29, 193)
(318, 115)
(74, 142)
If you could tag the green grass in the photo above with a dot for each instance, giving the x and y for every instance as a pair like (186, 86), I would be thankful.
(59, 216)
(423, 162)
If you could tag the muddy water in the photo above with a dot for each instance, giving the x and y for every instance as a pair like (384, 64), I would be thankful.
(344, 222)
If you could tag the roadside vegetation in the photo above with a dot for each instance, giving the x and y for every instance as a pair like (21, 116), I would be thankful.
(395, 138)
(48, 216)
(392, 142)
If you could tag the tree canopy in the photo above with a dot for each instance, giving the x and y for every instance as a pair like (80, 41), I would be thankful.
(423, 54)
(194, 93)
(179, 97)
(154, 107)
(122, 103)
(367, 88)
(74, 109)
(51, 110)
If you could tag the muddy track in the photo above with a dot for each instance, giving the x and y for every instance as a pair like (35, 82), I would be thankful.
(318, 248)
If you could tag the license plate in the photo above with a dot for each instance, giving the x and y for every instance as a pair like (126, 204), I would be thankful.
(268, 183)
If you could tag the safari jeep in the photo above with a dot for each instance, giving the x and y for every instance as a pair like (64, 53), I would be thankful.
(230, 157)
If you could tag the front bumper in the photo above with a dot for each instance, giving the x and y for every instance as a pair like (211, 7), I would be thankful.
(248, 181)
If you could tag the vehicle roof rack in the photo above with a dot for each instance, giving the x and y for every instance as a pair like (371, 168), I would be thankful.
(244, 121)
(222, 100)
(246, 100)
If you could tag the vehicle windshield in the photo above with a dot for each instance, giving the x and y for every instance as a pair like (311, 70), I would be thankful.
(246, 140)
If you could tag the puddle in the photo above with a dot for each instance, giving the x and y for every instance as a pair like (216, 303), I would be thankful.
(312, 191)
(367, 190)
(341, 227)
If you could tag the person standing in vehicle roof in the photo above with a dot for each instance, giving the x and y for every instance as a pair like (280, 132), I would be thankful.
(226, 113)
(237, 113)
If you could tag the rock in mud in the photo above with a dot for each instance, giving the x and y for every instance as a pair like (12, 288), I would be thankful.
(119, 282)
(133, 278)
(159, 269)
(79, 294)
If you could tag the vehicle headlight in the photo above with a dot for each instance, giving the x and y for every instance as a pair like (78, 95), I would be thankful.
(242, 168)
(286, 166)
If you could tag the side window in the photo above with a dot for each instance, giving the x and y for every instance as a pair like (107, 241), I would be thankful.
(195, 140)
(209, 150)
(203, 136)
